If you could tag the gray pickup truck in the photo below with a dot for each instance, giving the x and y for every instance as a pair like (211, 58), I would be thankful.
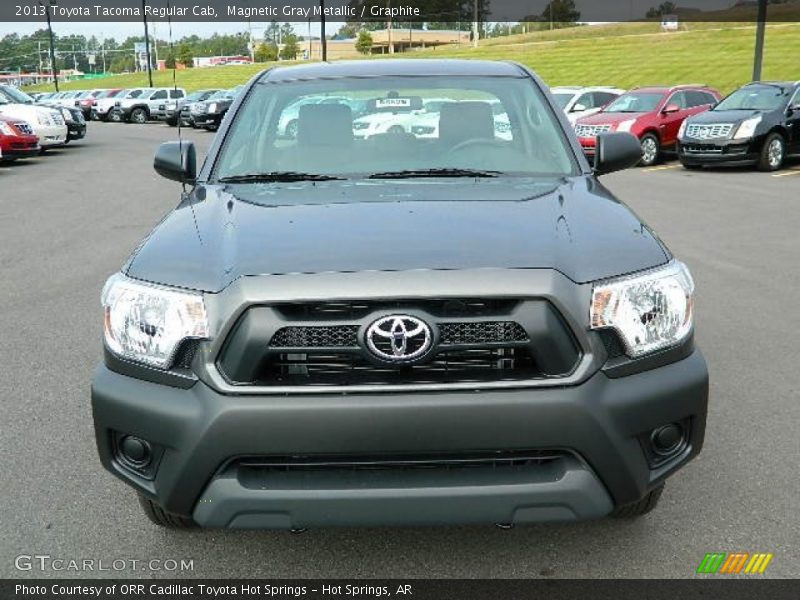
(465, 327)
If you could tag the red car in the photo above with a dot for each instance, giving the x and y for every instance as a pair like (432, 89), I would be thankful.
(16, 140)
(653, 114)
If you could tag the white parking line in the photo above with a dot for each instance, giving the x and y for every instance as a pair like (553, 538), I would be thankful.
(662, 168)
(787, 173)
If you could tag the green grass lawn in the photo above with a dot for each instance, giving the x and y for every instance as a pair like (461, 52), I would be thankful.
(624, 55)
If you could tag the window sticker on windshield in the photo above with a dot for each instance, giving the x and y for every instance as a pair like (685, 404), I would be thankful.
(393, 103)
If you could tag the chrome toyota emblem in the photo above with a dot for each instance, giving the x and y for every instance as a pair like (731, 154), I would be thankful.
(399, 338)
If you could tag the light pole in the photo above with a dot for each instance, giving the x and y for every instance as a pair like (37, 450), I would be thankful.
(760, 27)
(52, 41)
(147, 46)
(322, 39)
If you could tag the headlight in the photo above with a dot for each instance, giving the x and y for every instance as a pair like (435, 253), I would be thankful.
(212, 108)
(682, 130)
(650, 311)
(625, 126)
(43, 117)
(5, 129)
(747, 129)
(146, 323)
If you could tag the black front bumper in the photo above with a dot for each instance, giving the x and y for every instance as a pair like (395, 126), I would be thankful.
(719, 152)
(76, 131)
(207, 120)
(601, 426)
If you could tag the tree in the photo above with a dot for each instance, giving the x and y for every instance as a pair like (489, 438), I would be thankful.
(266, 53)
(185, 55)
(290, 47)
(665, 8)
(272, 32)
(561, 13)
(364, 42)
(170, 61)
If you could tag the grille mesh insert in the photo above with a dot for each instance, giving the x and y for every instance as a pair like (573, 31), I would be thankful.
(487, 332)
(337, 336)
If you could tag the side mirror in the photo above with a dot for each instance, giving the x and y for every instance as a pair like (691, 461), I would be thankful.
(579, 108)
(176, 161)
(671, 108)
(615, 152)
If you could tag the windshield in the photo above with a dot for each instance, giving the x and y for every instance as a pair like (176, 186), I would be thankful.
(756, 97)
(635, 102)
(16, 96)
(562, 99)
(480, 126)
(221, 95)
(135, 93)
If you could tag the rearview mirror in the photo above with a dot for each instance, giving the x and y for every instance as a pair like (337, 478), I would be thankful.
(615, 152)
(671, 108)
(176, 161)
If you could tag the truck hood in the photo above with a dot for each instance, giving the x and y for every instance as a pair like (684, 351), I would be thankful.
(220, 233)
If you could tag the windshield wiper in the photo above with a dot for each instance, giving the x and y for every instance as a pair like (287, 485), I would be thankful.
(277, 177)
(413, 173)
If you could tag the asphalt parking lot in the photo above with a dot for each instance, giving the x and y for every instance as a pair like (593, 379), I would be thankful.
(69, 219)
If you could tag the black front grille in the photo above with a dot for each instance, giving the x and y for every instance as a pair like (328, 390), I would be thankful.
(475, 340)
(351, 368)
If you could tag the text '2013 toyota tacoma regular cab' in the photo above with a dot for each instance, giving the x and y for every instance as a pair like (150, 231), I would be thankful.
(464, 328)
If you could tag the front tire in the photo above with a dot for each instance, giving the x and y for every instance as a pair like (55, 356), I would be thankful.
(640, 507)
(773, 153)
(651, 150)
(162, 518)
(115, 116)
(139, 116)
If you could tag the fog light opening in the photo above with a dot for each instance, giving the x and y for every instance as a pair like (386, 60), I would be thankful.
(135, 451)
(667, 439)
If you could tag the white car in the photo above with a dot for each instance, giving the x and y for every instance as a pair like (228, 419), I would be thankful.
(47, 123)
(426, 124)
(110, 109)
(401, 120)
(579, 102)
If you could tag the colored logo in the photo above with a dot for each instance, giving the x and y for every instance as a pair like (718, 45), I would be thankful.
(733, 563)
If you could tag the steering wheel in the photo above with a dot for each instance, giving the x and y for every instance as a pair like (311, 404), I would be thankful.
(472, 142)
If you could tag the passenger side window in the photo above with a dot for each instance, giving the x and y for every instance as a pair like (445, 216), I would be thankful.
(696, 98)
(176, 93)
(603, 98)
(679, 99)
(159, 95)
(586, 100)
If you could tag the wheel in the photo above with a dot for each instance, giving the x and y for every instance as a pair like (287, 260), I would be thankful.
(291, 129)
(641, 507)
(115, 116)
(139, 116)
(772, 153)
(212, 127)
(172, 122)
(162, 518)
(651, 150)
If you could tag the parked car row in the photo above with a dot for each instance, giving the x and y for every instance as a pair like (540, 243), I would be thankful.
(30, 126)
(758, 124)
(202, 109)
